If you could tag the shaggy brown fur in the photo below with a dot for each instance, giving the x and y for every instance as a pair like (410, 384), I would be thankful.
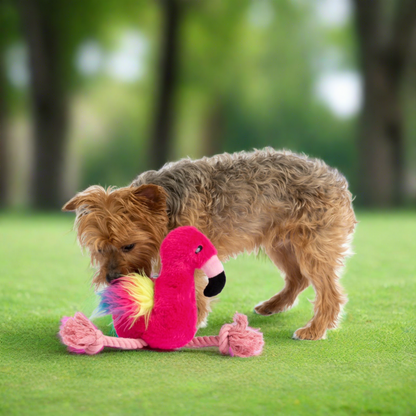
(297, 209)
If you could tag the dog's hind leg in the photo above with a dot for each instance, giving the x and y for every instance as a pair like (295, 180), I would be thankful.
(284, 258)
(320, 261)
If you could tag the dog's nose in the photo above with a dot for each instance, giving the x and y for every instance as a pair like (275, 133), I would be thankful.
(112, 276)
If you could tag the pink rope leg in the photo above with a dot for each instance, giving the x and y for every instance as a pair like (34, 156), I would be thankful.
(234, 339)
(201, 342)
(220, 341)
(83, 337)
(123, 343)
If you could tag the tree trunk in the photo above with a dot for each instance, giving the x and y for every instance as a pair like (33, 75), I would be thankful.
(4, 177)
(49, 103)
(162, 134)
(385, 51)
(213, 134)
(381, 142)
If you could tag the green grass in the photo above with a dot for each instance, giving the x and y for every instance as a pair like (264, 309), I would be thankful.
(366, 367)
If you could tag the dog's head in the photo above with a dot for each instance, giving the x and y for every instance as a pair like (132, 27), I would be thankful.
(121, 228)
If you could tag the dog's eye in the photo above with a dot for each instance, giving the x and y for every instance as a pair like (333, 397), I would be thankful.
(128, 248)
(198, 249)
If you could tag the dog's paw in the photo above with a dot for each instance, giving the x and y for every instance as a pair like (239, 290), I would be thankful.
(264, 308)
(268, 308)
(309, 333)
(203, 323)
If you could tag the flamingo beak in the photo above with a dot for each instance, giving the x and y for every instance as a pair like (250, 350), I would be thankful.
(214, 270)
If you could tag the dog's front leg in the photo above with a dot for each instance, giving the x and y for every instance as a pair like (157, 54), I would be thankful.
(203, 303)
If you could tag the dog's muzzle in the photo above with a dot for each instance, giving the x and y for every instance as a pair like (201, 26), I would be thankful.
(110, 277)
(214, 270)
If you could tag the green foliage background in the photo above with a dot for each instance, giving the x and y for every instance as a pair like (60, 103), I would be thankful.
(250, 71)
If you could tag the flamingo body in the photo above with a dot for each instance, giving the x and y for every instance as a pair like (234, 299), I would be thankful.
(168, 321)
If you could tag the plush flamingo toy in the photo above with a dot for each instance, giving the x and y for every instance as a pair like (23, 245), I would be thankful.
(161, 313)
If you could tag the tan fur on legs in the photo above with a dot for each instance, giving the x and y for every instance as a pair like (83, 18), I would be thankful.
(327, 308)
(203, 303)
(321, 256)
(284, 258)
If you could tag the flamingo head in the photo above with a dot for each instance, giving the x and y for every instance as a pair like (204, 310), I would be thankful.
(187, 248)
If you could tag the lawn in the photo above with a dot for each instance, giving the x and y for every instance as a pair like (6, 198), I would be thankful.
(366, 367)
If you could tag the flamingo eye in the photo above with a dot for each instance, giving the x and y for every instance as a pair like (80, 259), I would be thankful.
(198, 249)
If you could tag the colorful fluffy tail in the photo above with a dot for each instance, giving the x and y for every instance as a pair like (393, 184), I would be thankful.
(81, 336)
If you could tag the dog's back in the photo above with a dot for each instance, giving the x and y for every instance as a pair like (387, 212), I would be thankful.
(264, 183)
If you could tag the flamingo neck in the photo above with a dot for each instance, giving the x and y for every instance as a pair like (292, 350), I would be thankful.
(177, 280)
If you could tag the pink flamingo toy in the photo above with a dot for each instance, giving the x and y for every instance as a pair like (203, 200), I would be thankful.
(161, 313)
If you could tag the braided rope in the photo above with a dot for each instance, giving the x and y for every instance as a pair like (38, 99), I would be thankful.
(224, 344)
(201, 342)
(95, 346)
(124, 343)
(83, 337)
(236, 339)
(221, 341)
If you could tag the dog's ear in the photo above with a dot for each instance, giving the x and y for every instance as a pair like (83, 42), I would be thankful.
(83, 198)
(151, 195)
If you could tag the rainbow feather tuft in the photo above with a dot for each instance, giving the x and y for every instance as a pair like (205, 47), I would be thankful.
(129, 297)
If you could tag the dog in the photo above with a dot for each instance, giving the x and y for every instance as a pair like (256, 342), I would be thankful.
(294, 208)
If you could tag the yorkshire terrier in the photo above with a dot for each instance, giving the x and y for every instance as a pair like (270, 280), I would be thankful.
(295, 208)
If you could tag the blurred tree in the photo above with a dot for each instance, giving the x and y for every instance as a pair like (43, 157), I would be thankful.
(228, 78)
(53, 30)
(162, 135)
(213, 128)
(251, 71)
(212, 58)
(255, 67)
(385, 32)
(3, 135)
(43, 32)
(8, 26)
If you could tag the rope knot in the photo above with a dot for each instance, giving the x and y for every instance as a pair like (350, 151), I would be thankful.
(239, 339)
(81, 335)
